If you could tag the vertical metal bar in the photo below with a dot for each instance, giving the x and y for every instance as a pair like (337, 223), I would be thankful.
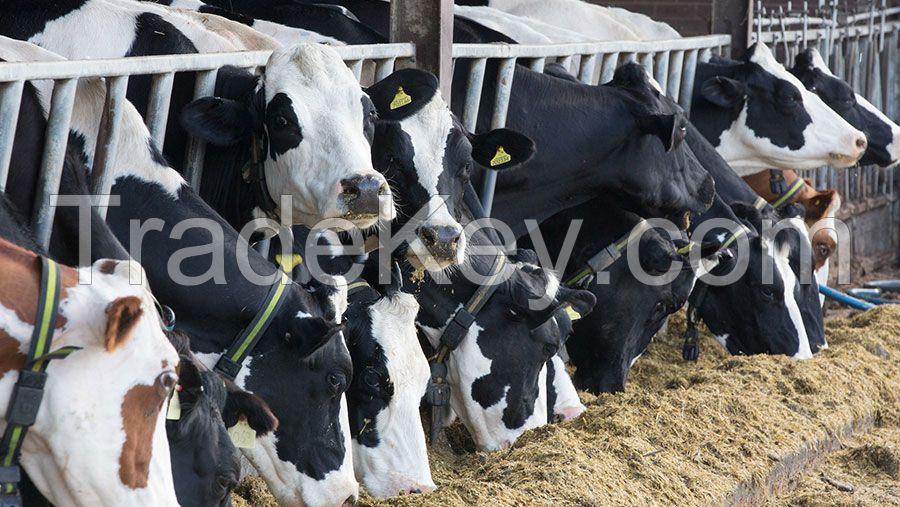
(610, 62)
(108, 139)
(705, 54)
(629, 57)
(537, 64)
(356, 68)
(588, 63)
(661, 70)
(158, 108)
(646, 60)
(473, 94)
(10, 99)
(566, 62)
(687, 83)
(501, 104)
(676, 65)
(196, 149)
(384, 68)
(55, 142)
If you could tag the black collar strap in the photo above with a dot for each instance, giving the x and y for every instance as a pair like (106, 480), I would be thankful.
(357, 286)
(231, 362)
(254, 173)
(788, 195)
(29, 389)
(690, 351)
(437, 394)
(609, 255)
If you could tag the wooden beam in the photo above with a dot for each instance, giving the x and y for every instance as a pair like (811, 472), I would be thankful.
(733, 17)
(429, 24)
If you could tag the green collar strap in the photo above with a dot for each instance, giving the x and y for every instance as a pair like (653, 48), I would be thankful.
(29, 389)
(789, 194)
(609, 255)
(231, 362)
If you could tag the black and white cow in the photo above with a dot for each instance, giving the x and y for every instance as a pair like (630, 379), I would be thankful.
(759, 116)
(302, 342)
(752, 315)
(623, 138)
(882, 133)
(605, 344)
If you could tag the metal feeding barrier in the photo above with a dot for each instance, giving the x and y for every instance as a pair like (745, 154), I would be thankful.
(65, 75)
(860, 46)
(672, 63)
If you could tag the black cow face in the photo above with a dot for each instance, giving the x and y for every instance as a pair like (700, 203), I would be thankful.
(882, 133)
(498, 372)
(427, 156)
(604, 345)
(313, 124)
(662, 174)
(758, 116)
(752, 316)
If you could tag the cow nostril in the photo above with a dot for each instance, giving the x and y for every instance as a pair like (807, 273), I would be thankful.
(861, 142)
(383, 190)
(428, 235)
(415, 491)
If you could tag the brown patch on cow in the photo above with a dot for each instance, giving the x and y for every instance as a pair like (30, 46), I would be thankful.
(19, 291)
(819, 205)
(140, 409)
(108, 266)
(122, 316)
(823, 247)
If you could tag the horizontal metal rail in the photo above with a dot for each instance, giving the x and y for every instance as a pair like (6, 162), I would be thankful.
(585, 48)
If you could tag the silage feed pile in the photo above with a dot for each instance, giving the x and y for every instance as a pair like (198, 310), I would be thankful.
(703, 433)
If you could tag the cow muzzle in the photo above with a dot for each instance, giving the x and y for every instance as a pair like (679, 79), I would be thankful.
(442, 244)
(361, 196)
(855, 147)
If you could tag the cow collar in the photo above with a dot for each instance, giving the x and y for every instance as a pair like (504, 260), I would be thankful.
(29, 389)
(437, 394)
(231, 362)
(254, 173)
(784, 195)
(609, 255)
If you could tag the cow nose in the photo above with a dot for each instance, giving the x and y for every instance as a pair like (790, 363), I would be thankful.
(440, 240)
(361, 194)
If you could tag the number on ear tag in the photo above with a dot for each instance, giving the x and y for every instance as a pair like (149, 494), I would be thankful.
(242, 435)
(501, 157)
(401, 99)
(573, 315)
(173, 413)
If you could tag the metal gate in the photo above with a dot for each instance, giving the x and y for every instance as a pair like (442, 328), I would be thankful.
(672, 63)
(65, 76)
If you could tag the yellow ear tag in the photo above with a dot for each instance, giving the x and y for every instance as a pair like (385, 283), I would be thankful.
(573, 315)
(242, 435)
(288, 264)
(401, 99)
(501, 157)
(173, 413)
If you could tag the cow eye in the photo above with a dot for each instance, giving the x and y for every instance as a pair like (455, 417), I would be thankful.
(337, 382)
(372, 379)
(823, 251)
(280, 121)
(767, 292)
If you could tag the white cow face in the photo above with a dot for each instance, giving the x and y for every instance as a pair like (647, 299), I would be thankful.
(118, 382)
(314, 126)
(769, 119)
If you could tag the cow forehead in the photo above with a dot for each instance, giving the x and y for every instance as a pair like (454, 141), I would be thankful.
(309, 66)
(428, 131)
(763, 57)
(819, 63)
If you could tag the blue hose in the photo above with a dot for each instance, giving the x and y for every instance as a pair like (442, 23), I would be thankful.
(850, 301)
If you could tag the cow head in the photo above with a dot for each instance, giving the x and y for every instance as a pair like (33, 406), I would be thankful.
(205, 463)
(313, 126)
(753, 315)
(497, 372)
(659, 171)
(119, 380)
(882, 133)
(604, 345)
(390, 374)
(562, 395)
(758, 116)
(427, 156)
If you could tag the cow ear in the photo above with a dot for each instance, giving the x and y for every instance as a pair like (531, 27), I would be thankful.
(240, 403)
(502, 149)
(558, 71)
(667, 127)
(222, 122)
(580, 302)
(122, 316)
(403, 93)
(723, 92)
(309, 334)
(818, 205)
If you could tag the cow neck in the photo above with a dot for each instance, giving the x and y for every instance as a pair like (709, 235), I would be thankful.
(254, 174)
(28, 391)
(784, 193)
(609, 254)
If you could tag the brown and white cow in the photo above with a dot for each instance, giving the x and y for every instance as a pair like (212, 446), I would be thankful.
(99, 437)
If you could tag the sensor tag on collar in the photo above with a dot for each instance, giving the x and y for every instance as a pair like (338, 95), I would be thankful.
(288, 263)
(174, 411)
(242, 435)
(573, 315)
(401, 99)
(501, 157)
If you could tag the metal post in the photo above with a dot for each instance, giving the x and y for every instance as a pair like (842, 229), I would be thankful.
(55, 142)
(429, 24)
(158, 109)
(10, 99)
(661, 70)
(108, 139)
(473, 94)
(384, 68)
(586, 74)
(501, 105)
(676, 64)
(687, 82)
(196, 150)
(610, 62)
(733, 17)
